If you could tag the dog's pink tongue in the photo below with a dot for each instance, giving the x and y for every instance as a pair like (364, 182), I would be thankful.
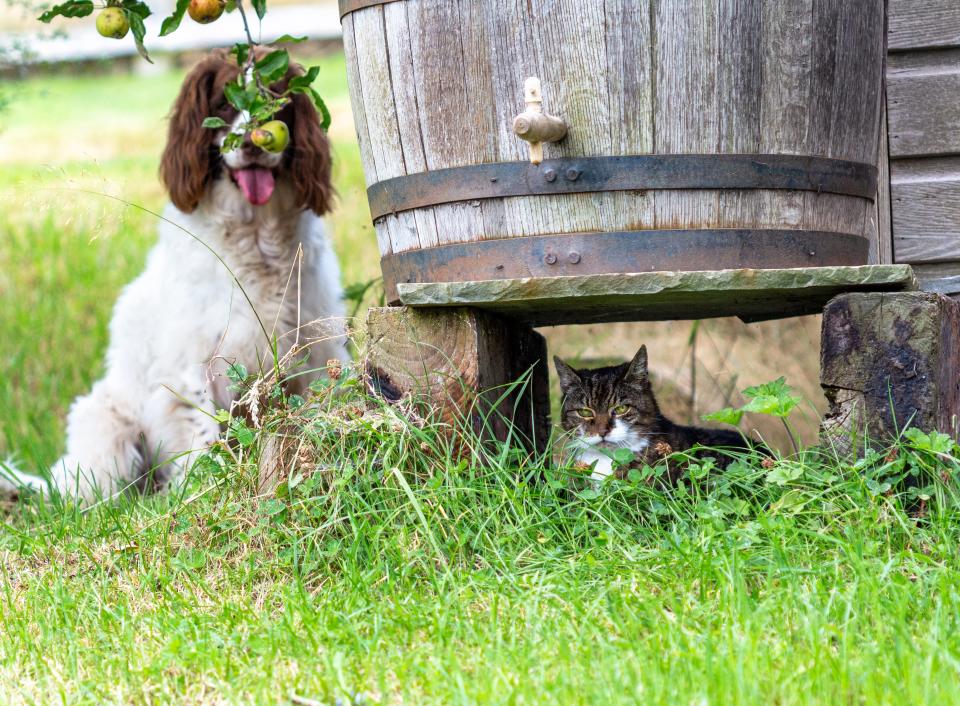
(256, 183)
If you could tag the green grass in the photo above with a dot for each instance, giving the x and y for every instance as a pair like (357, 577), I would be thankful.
(385, 565)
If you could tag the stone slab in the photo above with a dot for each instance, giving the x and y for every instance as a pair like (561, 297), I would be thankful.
(752, 295)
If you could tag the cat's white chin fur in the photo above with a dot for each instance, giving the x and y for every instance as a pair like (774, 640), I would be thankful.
(589, 452)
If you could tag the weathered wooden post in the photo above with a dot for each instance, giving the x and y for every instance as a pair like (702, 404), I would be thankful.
(720, 158)
(889, 361)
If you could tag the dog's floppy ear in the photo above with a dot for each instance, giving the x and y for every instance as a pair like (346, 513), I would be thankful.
(187, 163)
(310, 159)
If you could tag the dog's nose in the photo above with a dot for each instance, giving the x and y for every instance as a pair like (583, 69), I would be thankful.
(248, 148)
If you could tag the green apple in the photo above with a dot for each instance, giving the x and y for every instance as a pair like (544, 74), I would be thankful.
(111, 22)
(273, 136)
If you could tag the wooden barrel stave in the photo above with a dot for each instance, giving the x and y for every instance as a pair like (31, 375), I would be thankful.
(762, 91)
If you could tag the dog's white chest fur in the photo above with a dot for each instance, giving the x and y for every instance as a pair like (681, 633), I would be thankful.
(222, 285)
(218, 286)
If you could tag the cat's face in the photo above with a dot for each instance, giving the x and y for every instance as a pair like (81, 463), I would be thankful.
(608, 407)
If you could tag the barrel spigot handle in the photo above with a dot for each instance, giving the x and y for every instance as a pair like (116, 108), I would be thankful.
(535, 126)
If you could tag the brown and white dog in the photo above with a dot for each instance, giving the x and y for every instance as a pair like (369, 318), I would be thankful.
(242, 258)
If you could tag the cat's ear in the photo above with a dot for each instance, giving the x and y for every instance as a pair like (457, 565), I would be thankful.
(637, 369)
(568, 376)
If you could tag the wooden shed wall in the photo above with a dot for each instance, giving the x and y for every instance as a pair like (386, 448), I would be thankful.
(923, 107)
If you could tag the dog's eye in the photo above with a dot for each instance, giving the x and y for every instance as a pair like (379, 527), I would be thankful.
(620, 410)
(585, 412)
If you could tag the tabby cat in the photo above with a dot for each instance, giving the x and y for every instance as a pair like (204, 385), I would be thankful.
(614, 407)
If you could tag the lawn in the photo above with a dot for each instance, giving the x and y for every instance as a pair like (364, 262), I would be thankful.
(386, 569)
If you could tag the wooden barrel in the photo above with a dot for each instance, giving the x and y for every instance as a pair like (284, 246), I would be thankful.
(707, 135)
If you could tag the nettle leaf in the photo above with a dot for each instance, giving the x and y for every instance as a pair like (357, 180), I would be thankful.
(260, 6)
(727, 415)
(935, 441)
(774, 406)
(773, 398)
(73, 8)
(324, 111)
(214, 122)
(171, 23)
(776, 388)
(273, 66)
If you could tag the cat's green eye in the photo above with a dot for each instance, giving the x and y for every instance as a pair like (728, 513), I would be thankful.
(621, 409)
(585, 412)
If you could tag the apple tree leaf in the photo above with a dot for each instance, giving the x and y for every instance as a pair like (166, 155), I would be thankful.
(71, 8)
(171, 23)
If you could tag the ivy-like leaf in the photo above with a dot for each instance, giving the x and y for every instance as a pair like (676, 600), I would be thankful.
(260, 6)
(324, 111)
(171, 23)
(273, 66)
(71, 8)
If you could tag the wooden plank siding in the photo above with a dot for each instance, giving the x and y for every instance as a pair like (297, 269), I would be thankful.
(923, 106)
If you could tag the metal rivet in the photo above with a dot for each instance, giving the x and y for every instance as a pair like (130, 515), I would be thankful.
(573, 174)
(550, 175)
(550, 259)
(574, 257)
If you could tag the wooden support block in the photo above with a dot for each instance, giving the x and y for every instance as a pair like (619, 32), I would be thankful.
(460, 360)
(889, 361)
